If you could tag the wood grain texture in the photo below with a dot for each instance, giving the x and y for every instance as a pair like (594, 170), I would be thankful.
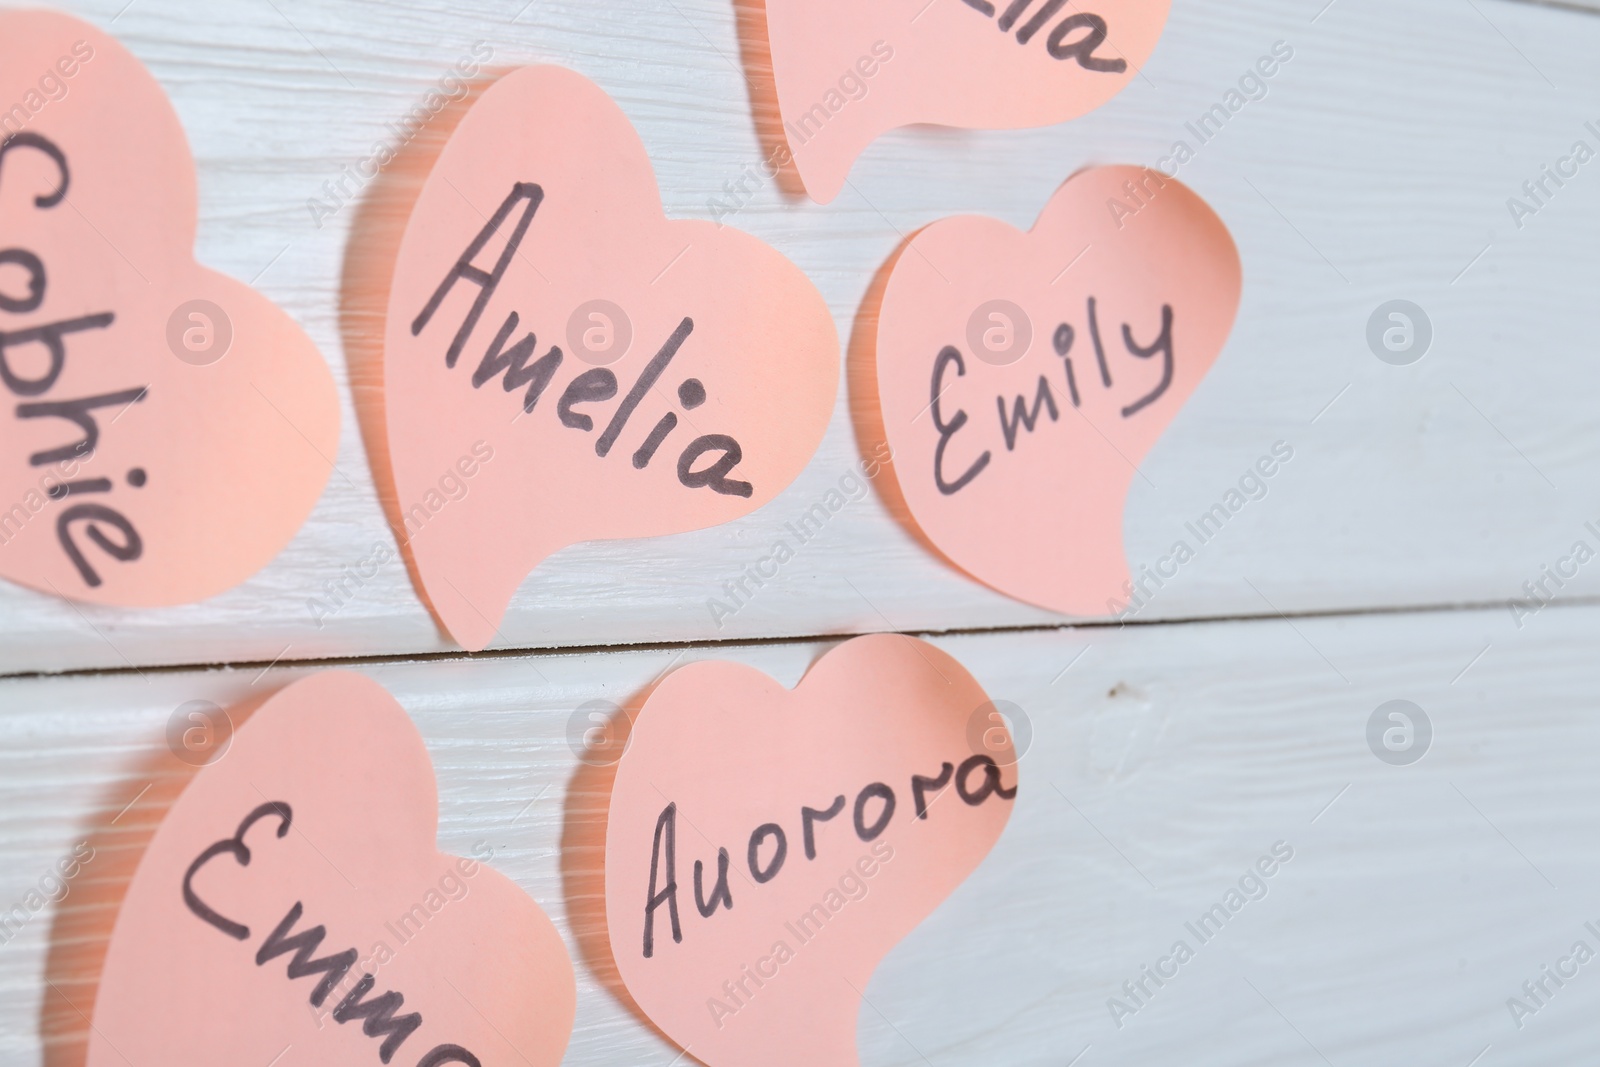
(1164, 761)
(1378, 166)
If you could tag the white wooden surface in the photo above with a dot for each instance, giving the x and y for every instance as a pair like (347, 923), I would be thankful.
(1163, 763)
(1377, 167)
(1166, 757)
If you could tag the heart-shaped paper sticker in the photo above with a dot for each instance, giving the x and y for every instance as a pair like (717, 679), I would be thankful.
(766, 848)
(1023, 377)
(166, 429)
(846, 72)
(294, 898)
(629, 376)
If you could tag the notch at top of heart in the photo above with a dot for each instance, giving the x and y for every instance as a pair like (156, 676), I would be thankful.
(562, 363)
(845, 72)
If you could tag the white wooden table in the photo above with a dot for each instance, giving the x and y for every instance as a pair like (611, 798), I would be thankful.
(1166, 755)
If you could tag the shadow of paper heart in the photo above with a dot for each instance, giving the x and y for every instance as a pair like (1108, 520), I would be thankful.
(583, 854)
(866, 411)
(755, 51)
(373, 244)
(127, 817)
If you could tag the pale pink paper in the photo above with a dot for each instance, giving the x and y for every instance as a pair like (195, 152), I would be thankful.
(943, 62)
(733, 750)
(763, 345)
(234, 453)
(484, 966)
(1042, 521)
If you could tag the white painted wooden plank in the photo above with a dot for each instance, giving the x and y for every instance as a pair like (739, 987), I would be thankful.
(1165, 760)
(1378, 167)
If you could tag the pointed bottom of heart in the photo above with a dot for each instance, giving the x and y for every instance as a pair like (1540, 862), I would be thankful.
(470, 591)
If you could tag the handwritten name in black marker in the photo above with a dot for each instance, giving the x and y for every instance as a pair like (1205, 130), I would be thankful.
(95, 518)
(975, 781)
(1023, 414)
(1057, 44)
(594, 386)
(376, 1015)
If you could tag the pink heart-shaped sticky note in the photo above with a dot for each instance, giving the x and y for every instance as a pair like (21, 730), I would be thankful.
(766, 848)
(1023, 377)
(846, 72)
(294, 899)
(577, 366)
(167, 429)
